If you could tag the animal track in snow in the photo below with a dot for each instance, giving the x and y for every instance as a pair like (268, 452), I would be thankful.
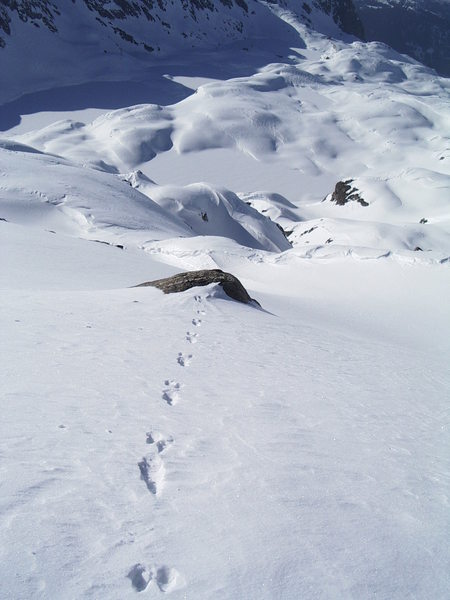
(184, 359)
(199, 300)
(196, 322)
(192, 338)
(166, 578)
(152, 473)
(171, 393)
(140, 577)
(159, 440)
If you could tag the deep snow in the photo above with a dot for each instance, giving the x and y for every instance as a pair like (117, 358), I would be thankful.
(229, 452)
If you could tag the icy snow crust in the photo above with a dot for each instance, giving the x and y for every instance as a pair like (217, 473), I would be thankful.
(191, 446)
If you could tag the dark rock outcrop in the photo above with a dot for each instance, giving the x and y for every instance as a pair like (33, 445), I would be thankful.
(34, 11)
(109, 13)
(184, 281)
(344, 192)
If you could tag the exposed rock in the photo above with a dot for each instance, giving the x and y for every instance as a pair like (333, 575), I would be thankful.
(110, 12)
(184, 281)
(285, 233)
(121, 17)
(34, 11)
(121, 246)
(344, 192)
(307, 231)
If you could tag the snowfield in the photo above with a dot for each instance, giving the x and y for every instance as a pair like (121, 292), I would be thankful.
(188, 445)
(191, 445)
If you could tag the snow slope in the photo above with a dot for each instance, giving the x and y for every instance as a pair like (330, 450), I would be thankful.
(192, 446)
(189, 445)
(125, 38)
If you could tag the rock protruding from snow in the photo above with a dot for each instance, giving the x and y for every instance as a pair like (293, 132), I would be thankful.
(184, 281)
(344, 192)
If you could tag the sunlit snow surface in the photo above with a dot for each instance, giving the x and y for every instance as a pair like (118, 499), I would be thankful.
(191, 446)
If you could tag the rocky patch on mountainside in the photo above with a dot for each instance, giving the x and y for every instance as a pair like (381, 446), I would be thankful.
(36, 12)
(344, 192)
(108, 14)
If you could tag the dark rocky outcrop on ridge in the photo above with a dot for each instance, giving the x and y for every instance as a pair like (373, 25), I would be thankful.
(344, 192)
(184, 281)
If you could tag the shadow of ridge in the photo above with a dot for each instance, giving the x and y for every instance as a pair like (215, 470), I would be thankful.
(95, 94)
(152, 85)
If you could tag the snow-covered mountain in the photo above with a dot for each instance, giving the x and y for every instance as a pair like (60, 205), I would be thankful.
(163, 22)
(114, 36)
(188, 445)
(420, 28)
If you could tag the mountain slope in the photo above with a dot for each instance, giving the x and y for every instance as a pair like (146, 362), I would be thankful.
(420, 28)
(132, 35)
(190, 446)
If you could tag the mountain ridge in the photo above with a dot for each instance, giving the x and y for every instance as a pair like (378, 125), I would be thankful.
(232, 14)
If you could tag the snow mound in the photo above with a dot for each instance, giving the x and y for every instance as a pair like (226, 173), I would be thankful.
(52, 193)
(211, 211)
(49, 192)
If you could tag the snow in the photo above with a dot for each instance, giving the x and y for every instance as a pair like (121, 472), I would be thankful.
(190, 445)
(301, 452)
(347, 111)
